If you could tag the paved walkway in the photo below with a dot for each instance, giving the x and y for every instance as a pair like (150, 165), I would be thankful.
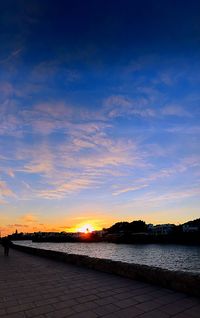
(31, 286)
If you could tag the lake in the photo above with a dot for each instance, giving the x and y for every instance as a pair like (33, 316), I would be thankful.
(169, 256)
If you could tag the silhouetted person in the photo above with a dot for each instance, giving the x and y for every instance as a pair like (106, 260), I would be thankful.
(6, 244)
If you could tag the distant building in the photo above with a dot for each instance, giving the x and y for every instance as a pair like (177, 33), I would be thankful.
(161, 229)
(100, 233)
(150, 228)
(46, 234)
(75, 235)
(189, 228)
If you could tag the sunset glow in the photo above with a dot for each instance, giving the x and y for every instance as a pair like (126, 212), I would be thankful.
(86, 228)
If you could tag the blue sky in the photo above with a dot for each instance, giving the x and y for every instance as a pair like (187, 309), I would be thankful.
(99, 113)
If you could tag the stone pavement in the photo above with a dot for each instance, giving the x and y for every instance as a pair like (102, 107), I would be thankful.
(31, 286)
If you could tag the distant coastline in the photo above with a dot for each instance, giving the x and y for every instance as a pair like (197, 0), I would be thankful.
(136, 232)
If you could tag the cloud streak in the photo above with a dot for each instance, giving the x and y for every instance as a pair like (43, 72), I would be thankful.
(5, 191)
(130, 189)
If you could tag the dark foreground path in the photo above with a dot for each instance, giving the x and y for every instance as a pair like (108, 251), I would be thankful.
(31, 286)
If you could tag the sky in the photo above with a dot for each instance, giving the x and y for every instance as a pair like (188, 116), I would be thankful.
(99, 113)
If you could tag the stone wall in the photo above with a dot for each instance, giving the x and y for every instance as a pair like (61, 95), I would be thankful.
(176, 280)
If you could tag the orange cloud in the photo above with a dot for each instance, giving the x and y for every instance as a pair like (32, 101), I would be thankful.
(11, 173)
(29, 218)
(5, 191)
(38, 167)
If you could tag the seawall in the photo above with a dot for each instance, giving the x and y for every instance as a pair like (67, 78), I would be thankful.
(186, 282)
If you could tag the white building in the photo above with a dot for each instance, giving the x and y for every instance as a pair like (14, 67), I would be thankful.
(188, 228)
(162, 229)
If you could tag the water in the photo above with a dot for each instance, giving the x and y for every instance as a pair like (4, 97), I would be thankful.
(172, 257)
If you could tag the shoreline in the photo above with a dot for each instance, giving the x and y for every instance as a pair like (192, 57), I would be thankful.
(187, 282)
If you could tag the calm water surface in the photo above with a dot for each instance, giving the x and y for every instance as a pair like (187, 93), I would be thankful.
(173, 257)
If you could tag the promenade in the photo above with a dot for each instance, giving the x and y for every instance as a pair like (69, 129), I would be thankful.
(32, 286)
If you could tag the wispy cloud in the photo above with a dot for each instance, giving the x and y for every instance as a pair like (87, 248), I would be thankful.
(166, 199)
(29, 218)
(12, 55)
(61, 190)
(129, 189)
(172, 196)
(38, 166)
(17, 225)
(175, 110)
(5, 190)
(87, 157)
(117, 106)
(184, 165)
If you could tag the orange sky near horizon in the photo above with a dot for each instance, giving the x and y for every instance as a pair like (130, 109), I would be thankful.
(32, 224)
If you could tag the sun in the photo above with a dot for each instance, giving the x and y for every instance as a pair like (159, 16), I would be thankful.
(86, 228)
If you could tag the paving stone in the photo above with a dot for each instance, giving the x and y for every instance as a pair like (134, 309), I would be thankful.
(193, 312)
(32, 286)
(86, 314)
(39, 310)
(148, 306)
(2, 312)
(143, 298)
(105, 301)
(87, 298)
(46, 301)
(179, 306)
(83, 307)
(181, 315)
(19, 308)
(107, 309)
(64, 304)
(15, 315)
(154, 314)
(10, 303)
(130, 312)
(126, 303)
(60, 313)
